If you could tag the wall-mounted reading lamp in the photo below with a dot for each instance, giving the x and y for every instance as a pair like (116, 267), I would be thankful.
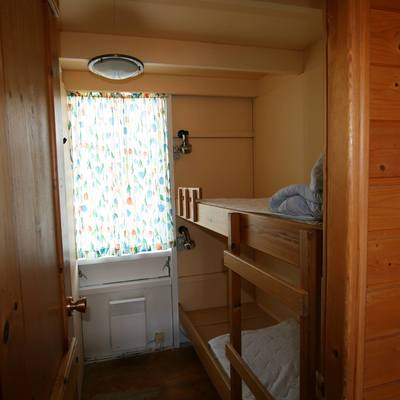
(184, 147)
(184, 242)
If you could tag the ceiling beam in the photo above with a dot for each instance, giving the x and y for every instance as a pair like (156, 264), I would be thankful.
(176, 85)
(179, 53)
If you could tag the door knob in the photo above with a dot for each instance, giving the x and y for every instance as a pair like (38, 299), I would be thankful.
(79, 305)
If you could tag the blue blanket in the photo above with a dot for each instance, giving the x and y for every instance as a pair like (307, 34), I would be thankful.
(302, 200)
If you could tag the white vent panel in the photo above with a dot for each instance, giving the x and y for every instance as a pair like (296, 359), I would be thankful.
(128, 324)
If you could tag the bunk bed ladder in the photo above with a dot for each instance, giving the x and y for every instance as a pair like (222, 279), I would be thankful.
(235, 312)
(310, 324)
(304, 301)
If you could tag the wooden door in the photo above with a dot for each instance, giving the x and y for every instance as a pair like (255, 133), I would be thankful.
(37, 354)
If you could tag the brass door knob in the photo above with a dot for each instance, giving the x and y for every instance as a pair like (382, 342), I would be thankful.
(79, 305)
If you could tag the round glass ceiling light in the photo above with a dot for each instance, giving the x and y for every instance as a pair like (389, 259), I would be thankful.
(116, 66)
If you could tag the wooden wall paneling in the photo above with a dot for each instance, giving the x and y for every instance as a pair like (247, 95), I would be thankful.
(382, 368)
(385, 93)
(384, 163)
(382, 309)
(385, 4)
(383, 258)
(389, 391)
(382, 361)
(347, 191)
(384, 208)
(384, 135)
(385, 37)
(384, 149)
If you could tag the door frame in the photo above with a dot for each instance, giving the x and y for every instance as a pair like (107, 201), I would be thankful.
(174, 253)
(346, 211)
(67, 383)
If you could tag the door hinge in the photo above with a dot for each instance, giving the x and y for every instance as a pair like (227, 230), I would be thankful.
(320, 386)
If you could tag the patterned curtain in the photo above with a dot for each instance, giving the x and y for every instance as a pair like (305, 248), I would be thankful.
(122, 193)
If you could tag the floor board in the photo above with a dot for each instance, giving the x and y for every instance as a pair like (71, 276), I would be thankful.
(169, 375)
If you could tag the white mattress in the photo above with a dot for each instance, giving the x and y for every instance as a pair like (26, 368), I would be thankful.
(272, 354)
(257, 206)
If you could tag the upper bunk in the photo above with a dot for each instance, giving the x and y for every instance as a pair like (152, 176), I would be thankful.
(283, 237)
(213, 213)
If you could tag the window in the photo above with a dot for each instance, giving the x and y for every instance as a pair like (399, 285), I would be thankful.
(121, 178)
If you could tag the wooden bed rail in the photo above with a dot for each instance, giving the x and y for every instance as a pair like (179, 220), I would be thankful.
(291, 242)
(294, 298)
(251, 380)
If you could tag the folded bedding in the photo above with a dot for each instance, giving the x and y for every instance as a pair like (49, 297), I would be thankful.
(302, 200)
(272, 353)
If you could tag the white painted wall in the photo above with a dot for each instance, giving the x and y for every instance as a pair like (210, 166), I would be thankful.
(140, 276)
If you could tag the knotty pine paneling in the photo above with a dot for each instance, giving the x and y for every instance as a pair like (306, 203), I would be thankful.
(385, 93)
(383, 260)
(385, 4)
(384, 208)
(384, 135)
(384, 163)
(381, 311)
(382, 361)
(389, 391)
(382, 325)
(385, 37)
(384, 149)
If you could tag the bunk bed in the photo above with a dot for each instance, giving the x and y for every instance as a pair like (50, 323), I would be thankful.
(296, 242)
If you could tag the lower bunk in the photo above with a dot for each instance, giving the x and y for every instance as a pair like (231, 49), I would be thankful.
(269, 348)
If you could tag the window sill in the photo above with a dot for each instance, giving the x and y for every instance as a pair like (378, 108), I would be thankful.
(131, 257)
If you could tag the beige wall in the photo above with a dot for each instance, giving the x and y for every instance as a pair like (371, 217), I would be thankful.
(242, 147)
(289, 125)
(171, 84)
(289, 128)
(221, 163)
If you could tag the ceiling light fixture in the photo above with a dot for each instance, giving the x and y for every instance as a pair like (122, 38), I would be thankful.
(116, 66)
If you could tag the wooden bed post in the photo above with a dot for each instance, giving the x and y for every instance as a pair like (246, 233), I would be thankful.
(234, 290)
(310, 323)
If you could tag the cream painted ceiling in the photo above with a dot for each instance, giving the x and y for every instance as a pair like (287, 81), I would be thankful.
(286, 24)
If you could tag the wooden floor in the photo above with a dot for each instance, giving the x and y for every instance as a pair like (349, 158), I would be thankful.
(173, 375)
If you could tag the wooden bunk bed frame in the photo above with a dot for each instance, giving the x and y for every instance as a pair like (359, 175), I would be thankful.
(297, 243)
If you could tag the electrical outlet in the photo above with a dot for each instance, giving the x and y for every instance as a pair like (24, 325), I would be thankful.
(159, 338)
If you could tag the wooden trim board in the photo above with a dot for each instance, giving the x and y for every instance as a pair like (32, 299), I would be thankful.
(346, 199)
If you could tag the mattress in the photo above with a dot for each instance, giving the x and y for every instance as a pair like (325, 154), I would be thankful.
(272, 353)
(257, 206)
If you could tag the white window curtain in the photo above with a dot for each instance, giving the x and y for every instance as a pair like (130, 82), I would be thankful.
(122, 192)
